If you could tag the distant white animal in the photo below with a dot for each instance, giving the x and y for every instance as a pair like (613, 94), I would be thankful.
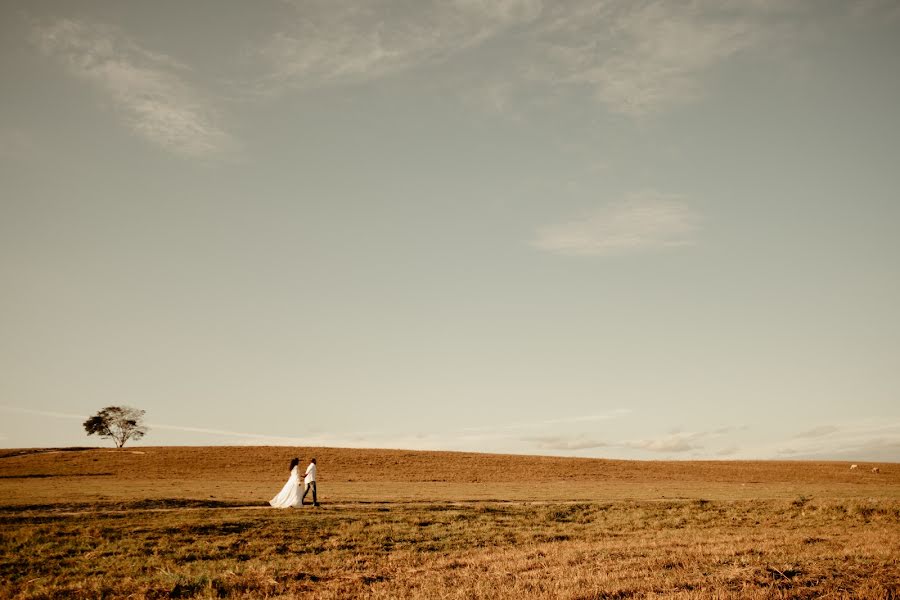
(876, 470)
(854, 467)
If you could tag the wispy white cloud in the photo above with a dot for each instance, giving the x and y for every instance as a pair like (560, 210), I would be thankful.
(604, 416)
(149, 90)
(701, 442)
(565, 442)
(671, 443)
(644, 58)
(256, 438)
(676, 442)
(860, 440)
(541, 423)
(455, 440)
(342, 42)
(867, 440)
(263, 438)
(40, 413)
(819, 431)
(641, 222)
(728, 451)
(632, 58)
(641, 58)
(365, 439)
(863, 441)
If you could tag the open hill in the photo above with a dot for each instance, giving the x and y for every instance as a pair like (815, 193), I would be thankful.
(181, 522)
(253, 474)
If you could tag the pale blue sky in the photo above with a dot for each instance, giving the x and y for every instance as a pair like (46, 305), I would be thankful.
(621, 229)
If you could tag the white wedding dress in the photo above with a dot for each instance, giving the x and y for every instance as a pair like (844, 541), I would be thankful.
(289, 496)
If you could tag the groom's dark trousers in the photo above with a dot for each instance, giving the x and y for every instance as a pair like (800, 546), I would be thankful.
(310, 486)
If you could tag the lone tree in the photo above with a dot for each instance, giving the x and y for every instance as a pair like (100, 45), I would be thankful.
(118, 423)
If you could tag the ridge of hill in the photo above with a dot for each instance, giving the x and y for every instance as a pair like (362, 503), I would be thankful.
(143, 462)
(254, 473)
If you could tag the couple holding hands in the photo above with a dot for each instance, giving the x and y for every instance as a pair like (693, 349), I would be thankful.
(289, 496)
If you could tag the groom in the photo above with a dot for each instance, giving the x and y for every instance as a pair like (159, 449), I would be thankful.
(310, 482)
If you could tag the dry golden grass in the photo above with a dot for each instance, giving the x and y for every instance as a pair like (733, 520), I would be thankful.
(254, 474)
(191, 522)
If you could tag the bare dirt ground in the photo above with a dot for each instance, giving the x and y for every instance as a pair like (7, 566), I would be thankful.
(193, 522)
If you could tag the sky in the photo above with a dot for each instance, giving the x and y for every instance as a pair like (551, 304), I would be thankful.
(600, 228)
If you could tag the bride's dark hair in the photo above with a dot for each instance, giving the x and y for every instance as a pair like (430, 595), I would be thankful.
(294, 463)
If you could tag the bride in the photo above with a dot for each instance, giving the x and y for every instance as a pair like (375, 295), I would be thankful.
(289, 496)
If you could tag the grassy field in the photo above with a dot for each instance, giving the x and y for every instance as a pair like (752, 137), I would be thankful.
(192, 522)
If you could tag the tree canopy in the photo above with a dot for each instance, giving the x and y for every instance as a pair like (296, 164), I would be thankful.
(118, 423)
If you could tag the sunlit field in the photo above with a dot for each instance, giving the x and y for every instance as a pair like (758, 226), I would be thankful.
(194, 523)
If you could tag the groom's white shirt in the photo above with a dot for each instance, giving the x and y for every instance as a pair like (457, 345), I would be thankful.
(310, 474)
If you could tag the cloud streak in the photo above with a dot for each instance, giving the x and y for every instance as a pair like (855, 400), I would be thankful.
(342, 42)
(272, 439)
(817, 432)
(675, 442)
(862, 440)
(644, 221)
(148, 90)
(859, 441)
(642, 58)
(672, 443)
(40, 413)
(590, 418)
(562, 442)
(466, 440)
(633, 58)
